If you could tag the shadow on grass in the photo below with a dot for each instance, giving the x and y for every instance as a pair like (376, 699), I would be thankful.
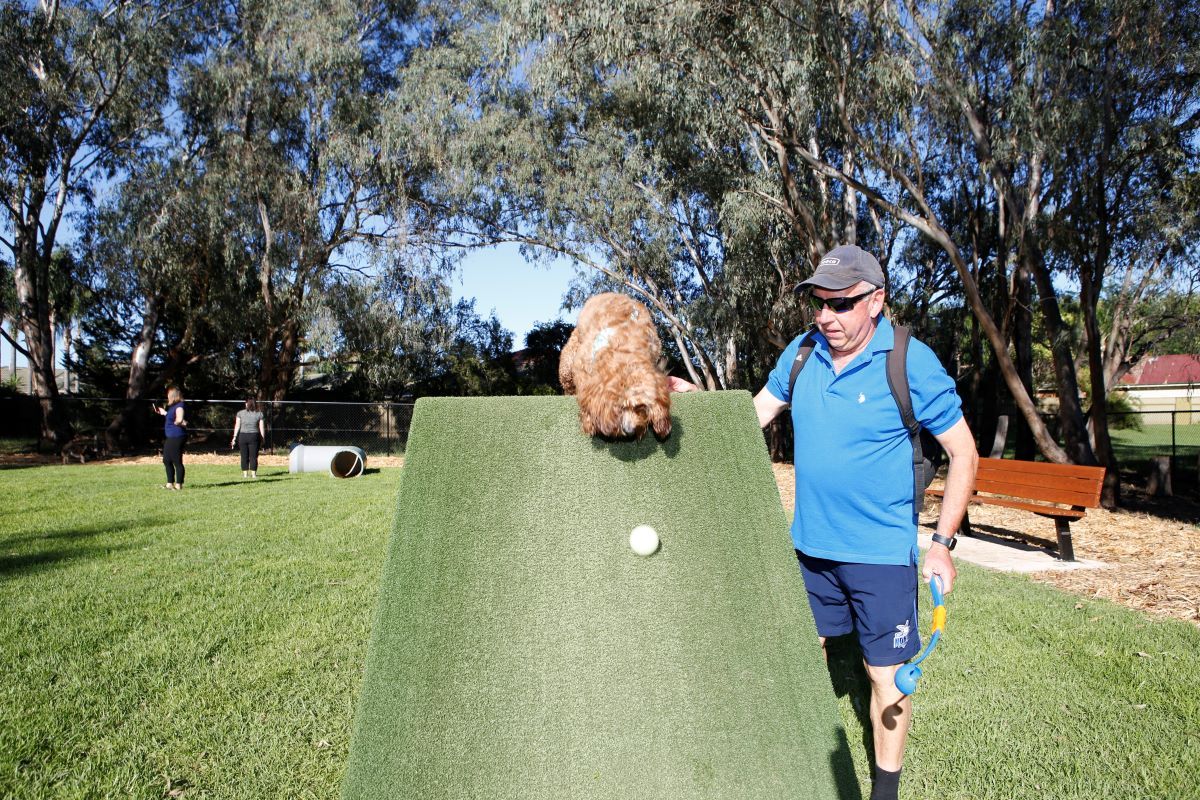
(238, 482)
(843, 658)
(87, 531)
(7, 465)
(11, 565)
(841, 763)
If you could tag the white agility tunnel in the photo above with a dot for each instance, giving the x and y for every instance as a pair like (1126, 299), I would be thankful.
(341, 461)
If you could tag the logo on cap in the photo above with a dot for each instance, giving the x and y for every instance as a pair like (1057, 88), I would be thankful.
(830, 260)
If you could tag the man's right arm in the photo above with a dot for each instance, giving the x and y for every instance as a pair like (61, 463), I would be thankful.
(767, 406)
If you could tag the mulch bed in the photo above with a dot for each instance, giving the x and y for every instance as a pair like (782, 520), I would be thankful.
(1150, 548)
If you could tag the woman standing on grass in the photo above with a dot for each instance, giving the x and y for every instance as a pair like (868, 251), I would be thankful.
(247, 430)
(174, 435)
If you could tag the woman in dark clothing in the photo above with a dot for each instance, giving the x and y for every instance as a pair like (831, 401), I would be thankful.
(247, 430)
(174, 435)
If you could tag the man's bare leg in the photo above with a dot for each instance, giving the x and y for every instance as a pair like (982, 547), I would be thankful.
(891, 715)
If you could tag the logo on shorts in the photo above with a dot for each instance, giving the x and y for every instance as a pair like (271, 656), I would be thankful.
(862, 398)
(901, 637)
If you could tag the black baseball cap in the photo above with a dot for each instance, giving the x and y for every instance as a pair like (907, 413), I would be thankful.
(844, 266)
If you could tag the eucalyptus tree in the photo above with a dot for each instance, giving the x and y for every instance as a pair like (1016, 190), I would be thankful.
(906, 105)
(85, 85)
(385, 336)
(624, 167)
(1087, 134)
(171, 283)
(288, 100)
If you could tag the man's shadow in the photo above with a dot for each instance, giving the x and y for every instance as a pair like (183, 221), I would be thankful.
(849, 679)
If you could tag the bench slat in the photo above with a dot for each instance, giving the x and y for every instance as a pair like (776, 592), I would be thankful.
(1010, 465)
(1045, 481)
(1055, 483)
(1043, 493)
(1068, 482)
(1044, 511)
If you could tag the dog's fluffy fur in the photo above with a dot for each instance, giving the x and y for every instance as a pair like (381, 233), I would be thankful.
(611, 365)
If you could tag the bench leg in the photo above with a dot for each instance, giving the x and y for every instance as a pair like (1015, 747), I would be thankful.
(964, 527)
(1066, 552)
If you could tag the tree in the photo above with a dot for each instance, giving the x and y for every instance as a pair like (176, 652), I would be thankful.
(596, 164)
(289, 101)
(171, 286)
(85, 86)
(543, 347)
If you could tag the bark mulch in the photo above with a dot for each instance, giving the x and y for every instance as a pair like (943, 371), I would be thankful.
(1150, 548)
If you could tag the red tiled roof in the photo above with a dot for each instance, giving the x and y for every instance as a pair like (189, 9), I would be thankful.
(1159, 370)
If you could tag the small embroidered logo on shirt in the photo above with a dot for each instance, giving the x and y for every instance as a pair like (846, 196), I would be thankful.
(862, 398)
(901, 637)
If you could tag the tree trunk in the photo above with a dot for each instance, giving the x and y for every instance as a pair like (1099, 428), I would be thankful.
(1025, 448)
(120, 431)
(731, 361)
(31, 277)
(279, 366)
(1110, 494)
(1074, 431)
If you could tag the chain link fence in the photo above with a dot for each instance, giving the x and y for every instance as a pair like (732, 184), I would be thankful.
(382, 428)
(1140, 437)
(1147, 434)
(378, 428)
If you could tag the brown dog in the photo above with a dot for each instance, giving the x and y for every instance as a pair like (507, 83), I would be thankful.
(611, 365)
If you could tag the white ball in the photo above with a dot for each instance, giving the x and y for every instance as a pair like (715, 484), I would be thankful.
(643, 540)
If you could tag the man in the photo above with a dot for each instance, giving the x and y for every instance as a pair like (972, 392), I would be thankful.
(855, 528)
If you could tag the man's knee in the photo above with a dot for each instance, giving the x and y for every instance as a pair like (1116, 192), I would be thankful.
(883, 681)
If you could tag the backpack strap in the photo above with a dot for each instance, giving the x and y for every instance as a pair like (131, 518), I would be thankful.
(897, 377)
(806, 348)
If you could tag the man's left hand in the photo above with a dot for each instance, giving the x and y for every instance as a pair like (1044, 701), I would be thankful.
(938, 562)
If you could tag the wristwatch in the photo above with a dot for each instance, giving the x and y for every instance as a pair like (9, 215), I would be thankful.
(948, 541)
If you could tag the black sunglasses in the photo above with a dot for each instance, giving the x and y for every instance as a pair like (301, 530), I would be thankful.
(839, 305)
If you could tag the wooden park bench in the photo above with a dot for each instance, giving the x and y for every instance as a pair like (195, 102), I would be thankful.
(1062, 492)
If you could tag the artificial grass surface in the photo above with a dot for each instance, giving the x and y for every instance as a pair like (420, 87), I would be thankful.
(522, 650)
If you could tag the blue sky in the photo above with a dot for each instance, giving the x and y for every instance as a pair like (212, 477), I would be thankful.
(520, 293)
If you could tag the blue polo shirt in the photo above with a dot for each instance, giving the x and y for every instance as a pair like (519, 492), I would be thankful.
(854, 477)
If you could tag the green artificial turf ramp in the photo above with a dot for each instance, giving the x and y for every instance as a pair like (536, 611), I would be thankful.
(522, 650)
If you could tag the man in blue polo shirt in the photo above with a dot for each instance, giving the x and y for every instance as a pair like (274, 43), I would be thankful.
(855, 527)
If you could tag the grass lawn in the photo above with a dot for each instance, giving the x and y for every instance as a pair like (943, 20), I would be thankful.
(1155, 440)
(207, 642)
(1135, 447)
(210, 643)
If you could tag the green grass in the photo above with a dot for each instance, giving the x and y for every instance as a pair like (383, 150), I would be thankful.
(209, 640)
(1135, 448)
(10, 446)
(1155, 440)
(212, 643)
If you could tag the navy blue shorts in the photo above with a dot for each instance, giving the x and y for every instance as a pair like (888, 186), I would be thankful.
(878, 602)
